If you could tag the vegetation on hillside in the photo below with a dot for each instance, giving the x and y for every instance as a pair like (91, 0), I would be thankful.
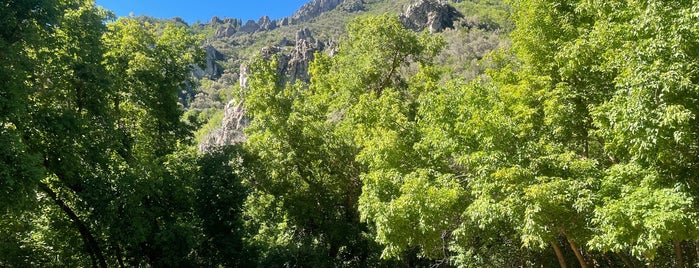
(484, 28)
(574, 145)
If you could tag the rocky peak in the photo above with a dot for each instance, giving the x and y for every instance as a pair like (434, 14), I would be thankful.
(314, 9)
(250, 27)
(301, 56)
(434, 15)
(215, 20)
(266, 24)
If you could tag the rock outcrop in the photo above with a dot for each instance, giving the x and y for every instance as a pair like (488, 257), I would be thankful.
(226, 31)
(212, 70)
(292, 64)
(215, 20)
(434, 15)
(266, 24)
(301, 56)
(353, 5)
(243, 76)
(304, 34)
(231, 131)
(283, 22)
(314, 9)
(250, 27)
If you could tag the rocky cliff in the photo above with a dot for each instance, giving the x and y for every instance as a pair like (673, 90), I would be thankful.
(212, 69)
(314, 9)
(292, 63)
(292, 66)
(231, 130)
(433, 15)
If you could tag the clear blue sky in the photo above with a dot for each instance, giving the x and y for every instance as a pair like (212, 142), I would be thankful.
(192, 11)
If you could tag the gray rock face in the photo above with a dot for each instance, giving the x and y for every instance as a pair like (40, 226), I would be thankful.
(266, 53)
(353, 5)
(314, 9)
(243, 76)
(215, 20)
(304, 34)
(300, 58)
(434, 15)
(212, 70)
(227, 31)
(293, 64)
(250, 27)
(283, 22)
(266, 24)
(231, 131)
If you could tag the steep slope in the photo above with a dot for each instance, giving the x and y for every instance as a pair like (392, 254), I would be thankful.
(470, 28)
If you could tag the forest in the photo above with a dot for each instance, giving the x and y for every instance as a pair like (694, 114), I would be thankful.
(577, 145)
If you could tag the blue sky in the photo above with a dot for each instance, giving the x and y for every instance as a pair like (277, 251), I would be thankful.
(192, 11)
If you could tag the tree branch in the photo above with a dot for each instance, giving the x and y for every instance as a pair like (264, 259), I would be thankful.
(88, 238)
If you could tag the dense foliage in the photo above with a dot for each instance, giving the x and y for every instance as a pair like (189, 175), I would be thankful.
(578, 145)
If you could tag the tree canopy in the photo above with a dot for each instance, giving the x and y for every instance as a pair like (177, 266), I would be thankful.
(578, 145)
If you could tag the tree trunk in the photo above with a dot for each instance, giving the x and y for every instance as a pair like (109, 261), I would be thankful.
(679, 262)
(90, 241)
(576, 250)
(395, 64)
(696, 248)
(586, 146)
(559, 255)
(120, 258)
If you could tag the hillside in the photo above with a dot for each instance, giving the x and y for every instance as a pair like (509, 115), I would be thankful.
(475, 28)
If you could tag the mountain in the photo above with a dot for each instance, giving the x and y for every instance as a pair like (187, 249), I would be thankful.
(470, 28)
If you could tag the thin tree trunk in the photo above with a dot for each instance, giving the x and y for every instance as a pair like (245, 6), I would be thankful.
(612, 159)
(679, 262)
(576, 250)
(394, 66)
(586, 147)
(559, 255)
(696, 248)
(90, 241)
(120, 258)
